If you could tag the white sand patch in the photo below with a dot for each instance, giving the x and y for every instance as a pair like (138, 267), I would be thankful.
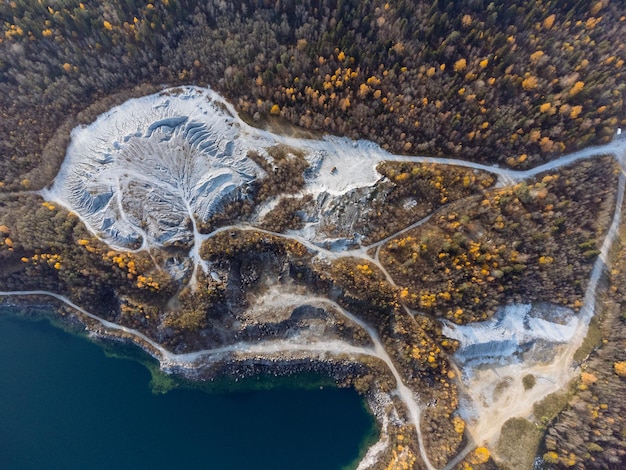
(141, 171)
(510, 333)
(497, 354)
(339, 165)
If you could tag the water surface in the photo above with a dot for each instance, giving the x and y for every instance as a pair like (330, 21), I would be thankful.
(64, 404)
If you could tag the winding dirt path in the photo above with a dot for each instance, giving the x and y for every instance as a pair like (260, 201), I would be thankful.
(408, 397)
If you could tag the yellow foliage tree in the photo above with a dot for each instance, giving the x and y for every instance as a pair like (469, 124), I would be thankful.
(575, 112)
(545, 107)
(363, 90)
(547, 145)
(535, 56)
(459, 425)
(588, 379)
(529, 83)
(577, 88)
(551, 457)
(549, 21)
(480, 455)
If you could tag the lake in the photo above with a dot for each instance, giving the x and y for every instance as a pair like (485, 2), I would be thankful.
(65, 404)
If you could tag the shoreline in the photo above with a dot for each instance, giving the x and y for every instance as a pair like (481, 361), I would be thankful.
(40, 353)
(247, 374)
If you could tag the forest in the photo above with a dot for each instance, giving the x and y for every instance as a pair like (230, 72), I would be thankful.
(510, 82)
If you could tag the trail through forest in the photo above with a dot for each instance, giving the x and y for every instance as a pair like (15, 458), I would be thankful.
(340, 152)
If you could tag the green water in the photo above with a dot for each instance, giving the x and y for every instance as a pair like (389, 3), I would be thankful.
(65, 405)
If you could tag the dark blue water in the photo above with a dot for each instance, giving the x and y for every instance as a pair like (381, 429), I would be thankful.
(65, 405)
